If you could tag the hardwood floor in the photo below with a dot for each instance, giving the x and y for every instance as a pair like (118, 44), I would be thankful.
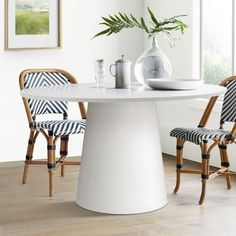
(27, 210)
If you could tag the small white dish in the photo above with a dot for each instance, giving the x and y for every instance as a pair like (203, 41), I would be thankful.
(170, 84)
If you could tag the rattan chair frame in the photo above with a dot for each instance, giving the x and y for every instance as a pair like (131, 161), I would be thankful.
(51, 140)
(206, 148)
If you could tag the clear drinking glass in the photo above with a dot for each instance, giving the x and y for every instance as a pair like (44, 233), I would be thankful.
(99, 72)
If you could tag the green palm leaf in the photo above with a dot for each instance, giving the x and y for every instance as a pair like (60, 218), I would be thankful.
(117, 22)
(153, 17)
(101, 33)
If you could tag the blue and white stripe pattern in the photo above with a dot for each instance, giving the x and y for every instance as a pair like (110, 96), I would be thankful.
(40, 107)
(38, 79)
(61, 127)
(229, 104)
(228, 114)
(200, 135)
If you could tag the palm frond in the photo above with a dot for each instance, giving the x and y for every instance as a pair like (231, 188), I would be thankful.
(117, 22)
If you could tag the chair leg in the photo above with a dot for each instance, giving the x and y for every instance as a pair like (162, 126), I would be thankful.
(203, 193)
(29, 154)
(205, 171)
(62, 170)
(64, 151)
(225, 162)
(51, 163)
(179, 162)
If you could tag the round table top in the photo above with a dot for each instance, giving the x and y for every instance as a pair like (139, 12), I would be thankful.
(87, 92)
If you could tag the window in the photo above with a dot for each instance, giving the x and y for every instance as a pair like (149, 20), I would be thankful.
(217, 39)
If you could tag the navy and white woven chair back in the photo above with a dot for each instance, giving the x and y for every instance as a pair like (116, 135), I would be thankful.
(228, 113)
(39, 79)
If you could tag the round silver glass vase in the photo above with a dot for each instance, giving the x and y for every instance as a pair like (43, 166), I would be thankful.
(152, 64)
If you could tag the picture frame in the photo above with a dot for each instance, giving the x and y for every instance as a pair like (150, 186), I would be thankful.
(32, 24)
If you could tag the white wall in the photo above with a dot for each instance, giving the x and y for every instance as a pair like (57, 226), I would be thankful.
(80, 22)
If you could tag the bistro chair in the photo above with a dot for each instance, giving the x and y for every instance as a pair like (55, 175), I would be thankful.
(208, 139)
(52, 130)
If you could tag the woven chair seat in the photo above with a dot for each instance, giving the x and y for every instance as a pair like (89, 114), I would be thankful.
(200, 135)
(61, 127)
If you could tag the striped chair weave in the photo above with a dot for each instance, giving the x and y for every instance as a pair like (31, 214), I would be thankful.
(38, 79)
(200, 135)
(229, 104)
(61, 127)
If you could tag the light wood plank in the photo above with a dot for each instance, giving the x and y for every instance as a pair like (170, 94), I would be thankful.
(26, 210)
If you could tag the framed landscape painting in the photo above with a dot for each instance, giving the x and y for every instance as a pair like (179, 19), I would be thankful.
(32, 24)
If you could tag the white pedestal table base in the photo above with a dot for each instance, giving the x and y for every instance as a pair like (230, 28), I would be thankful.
(122, 168)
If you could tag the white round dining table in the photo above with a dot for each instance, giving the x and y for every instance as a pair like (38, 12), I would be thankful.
(122, 168)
